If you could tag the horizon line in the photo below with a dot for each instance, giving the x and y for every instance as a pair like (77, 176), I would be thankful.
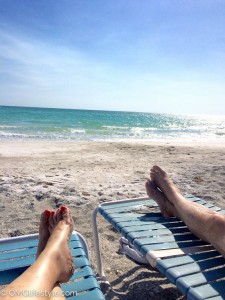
(122, 111)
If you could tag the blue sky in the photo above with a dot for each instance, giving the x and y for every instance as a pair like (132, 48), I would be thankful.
(152, 55)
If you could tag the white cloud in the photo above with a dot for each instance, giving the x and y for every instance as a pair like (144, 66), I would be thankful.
(37, 73)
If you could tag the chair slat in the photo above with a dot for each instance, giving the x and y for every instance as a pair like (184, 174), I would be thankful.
(85, 271)
(156, 233)
(119, 223)
(150, 226)
(10, 246)
(144, 249)
(174, 273)
(80, 286)
(164, 264)
(94, 294)
(165, 239)
(127, 206)
(207, 290)
(32, 251)
(183, 283)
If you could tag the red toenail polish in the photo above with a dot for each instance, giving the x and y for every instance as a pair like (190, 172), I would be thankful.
(47, 212)
(52, 213)
(63, 208)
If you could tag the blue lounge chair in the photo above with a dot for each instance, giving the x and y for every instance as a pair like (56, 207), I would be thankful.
(18, 253)
(193, 265)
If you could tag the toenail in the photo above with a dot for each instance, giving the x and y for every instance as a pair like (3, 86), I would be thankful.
(63, 208)
(47, 212)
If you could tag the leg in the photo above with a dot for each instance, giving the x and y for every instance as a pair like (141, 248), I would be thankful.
(203, 222)
(53, 264)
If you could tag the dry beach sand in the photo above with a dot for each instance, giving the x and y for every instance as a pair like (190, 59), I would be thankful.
(38, 175)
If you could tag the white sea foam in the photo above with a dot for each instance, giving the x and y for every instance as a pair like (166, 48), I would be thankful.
(9, 126)
(13, 134)
(116, 127)
(77, 130)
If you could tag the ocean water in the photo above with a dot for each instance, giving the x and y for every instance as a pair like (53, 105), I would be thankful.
(24, 123)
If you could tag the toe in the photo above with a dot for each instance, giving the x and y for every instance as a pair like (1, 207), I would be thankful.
(147, 183)
(65, 212)
(153, 173)
(67, 217)
(159, 170)
(51, 219)
(58, 216)
(45, 217)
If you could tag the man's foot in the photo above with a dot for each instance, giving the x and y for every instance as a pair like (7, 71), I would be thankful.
(57, 247)
(164, 183)
(43, 232)
(166, 207)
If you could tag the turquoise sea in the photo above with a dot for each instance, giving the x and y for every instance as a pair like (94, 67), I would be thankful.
(25, 123)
